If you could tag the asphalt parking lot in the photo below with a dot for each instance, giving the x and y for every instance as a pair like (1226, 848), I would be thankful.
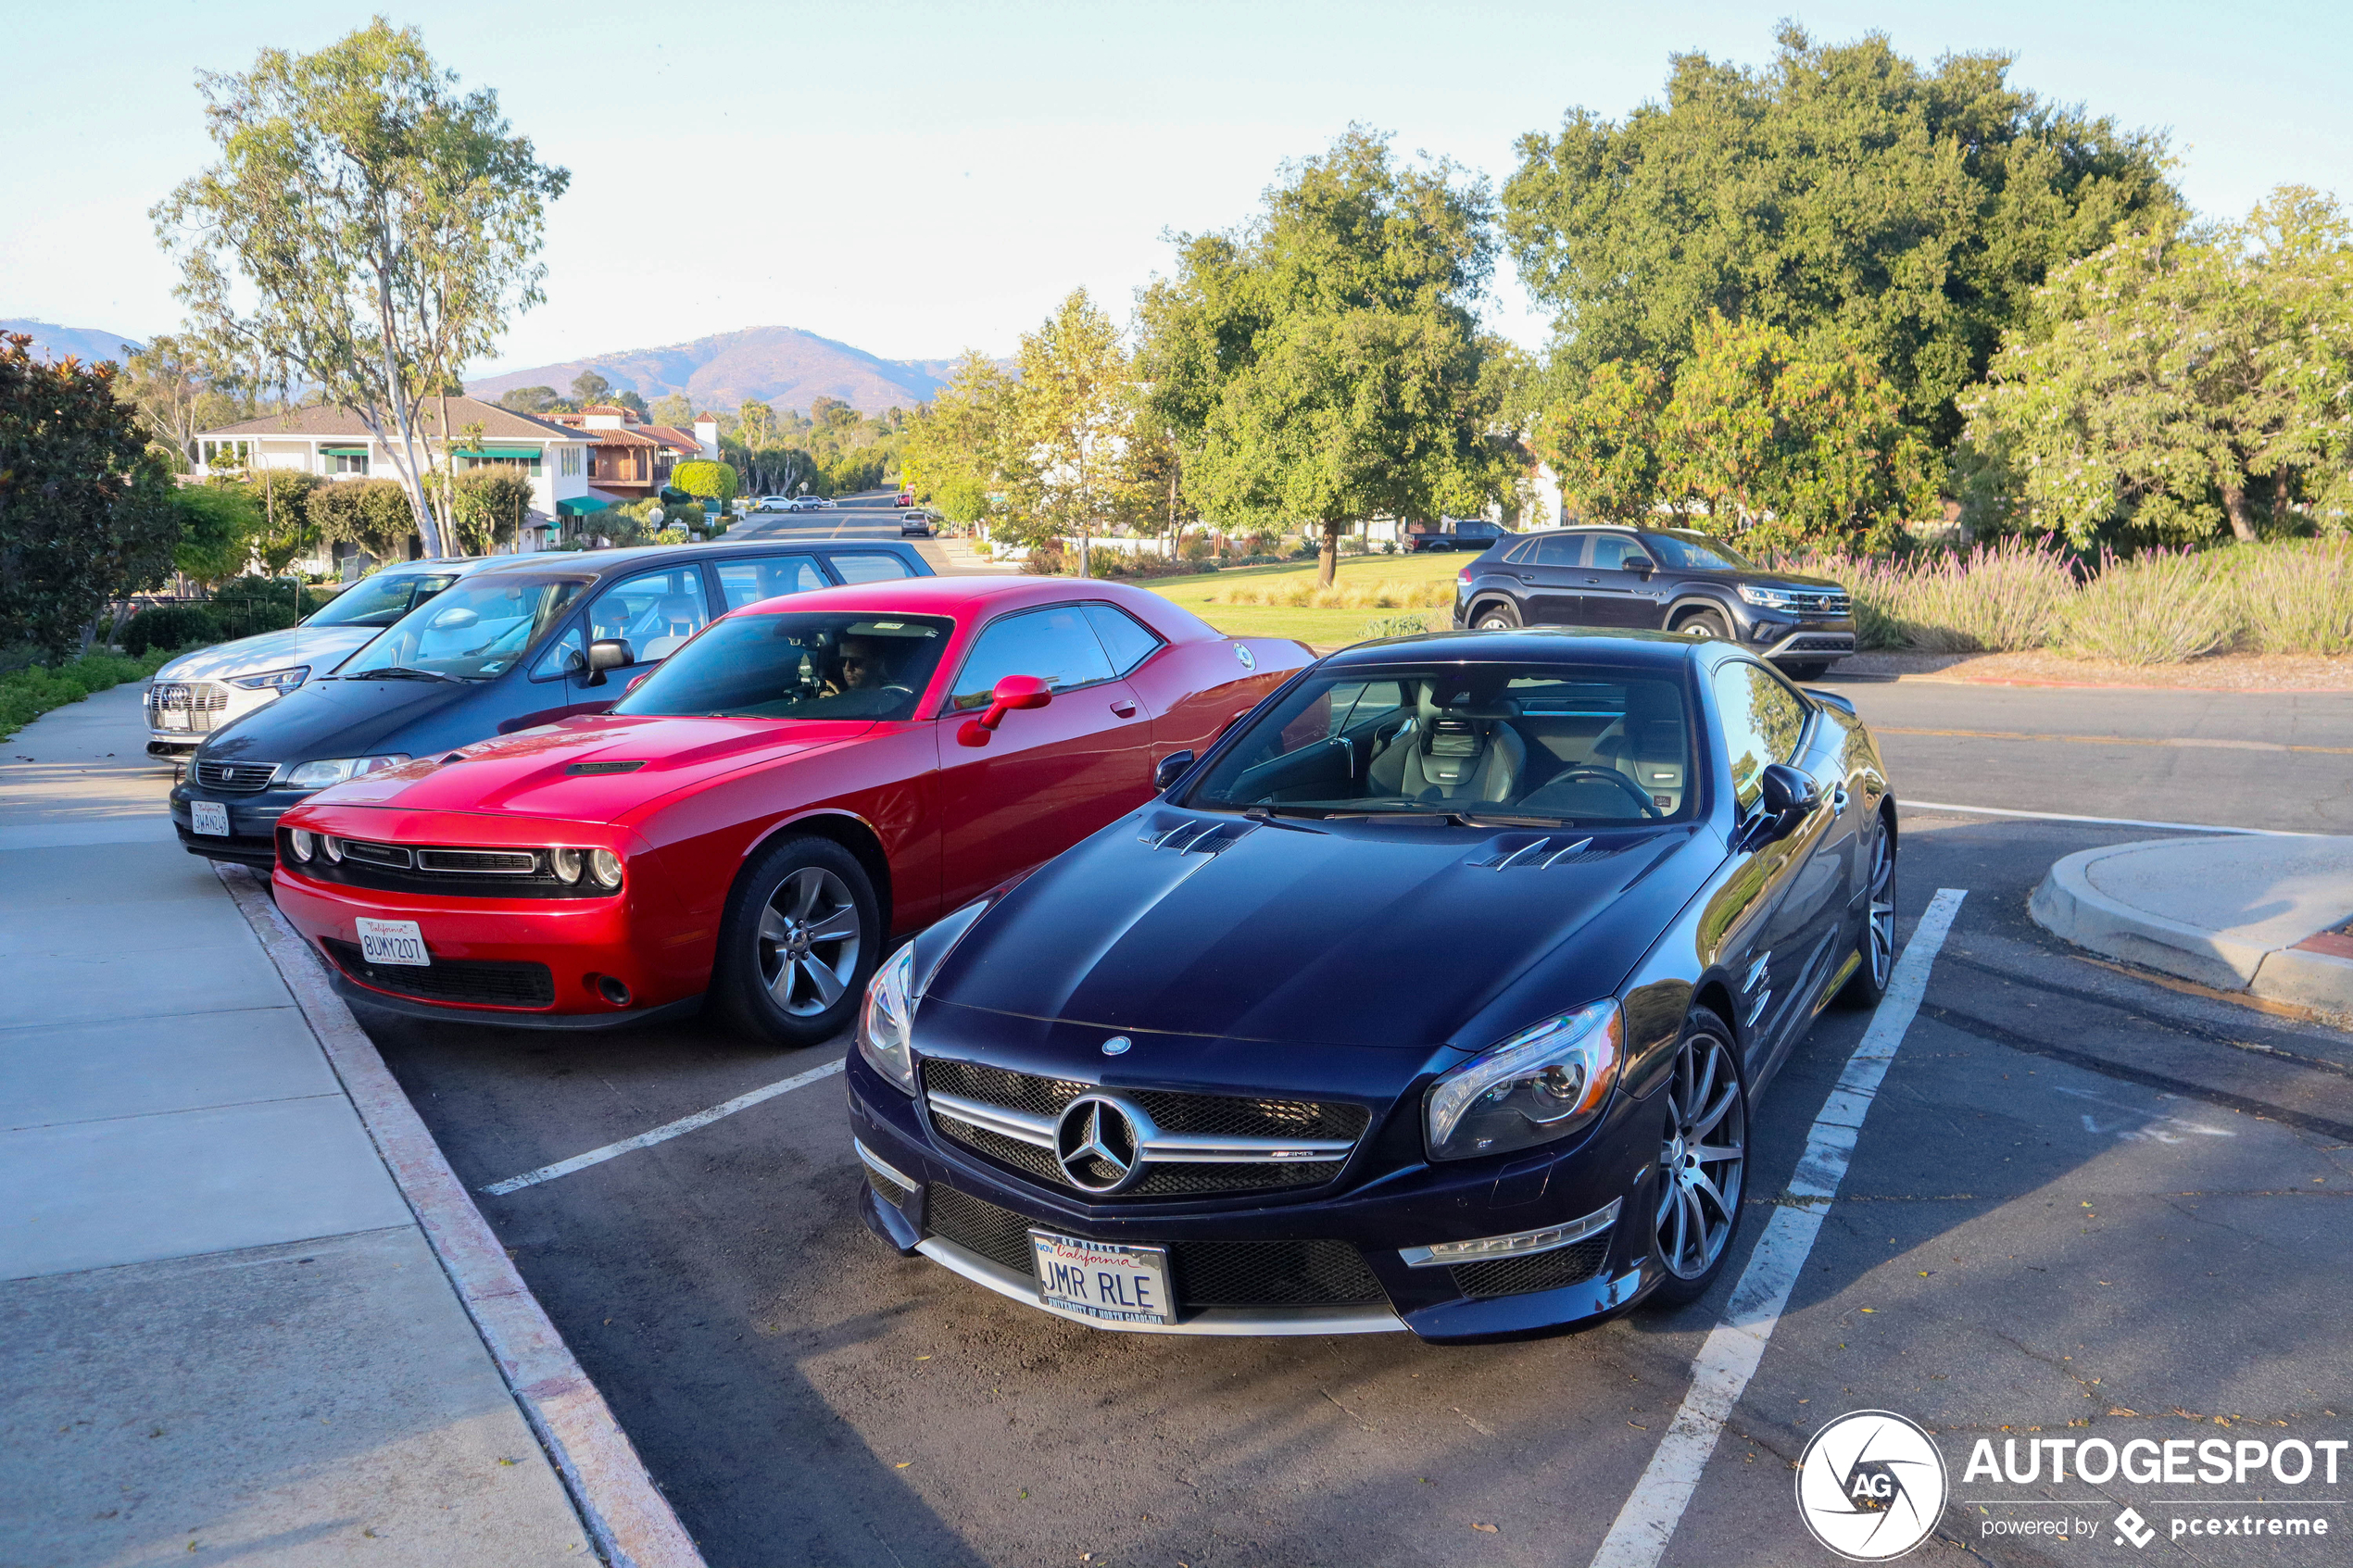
(2084, 1203)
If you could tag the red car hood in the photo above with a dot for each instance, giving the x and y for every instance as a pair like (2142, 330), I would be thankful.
(530, 773)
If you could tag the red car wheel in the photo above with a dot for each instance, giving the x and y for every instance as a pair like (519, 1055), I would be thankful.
(799, 943)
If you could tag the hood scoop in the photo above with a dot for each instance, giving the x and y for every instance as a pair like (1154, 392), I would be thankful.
(1523, 852)
(580, 770)
(1190, 835)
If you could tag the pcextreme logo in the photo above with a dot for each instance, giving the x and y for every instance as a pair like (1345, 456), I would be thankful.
(1871, 1486)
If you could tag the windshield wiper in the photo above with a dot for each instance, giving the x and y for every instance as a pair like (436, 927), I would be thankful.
(1270, 815)
(401, 672)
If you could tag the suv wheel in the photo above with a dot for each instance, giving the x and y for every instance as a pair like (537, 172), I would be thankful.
(1496, 615)
(1704, 624)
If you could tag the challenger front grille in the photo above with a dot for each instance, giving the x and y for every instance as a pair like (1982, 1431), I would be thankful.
(463, 873)
(472, 982)
(1208, 1274)
(1274, 1144)
(236, 778)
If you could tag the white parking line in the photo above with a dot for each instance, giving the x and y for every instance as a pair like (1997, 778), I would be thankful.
(1729, 1360)
(2103, 821)
(666, 1130)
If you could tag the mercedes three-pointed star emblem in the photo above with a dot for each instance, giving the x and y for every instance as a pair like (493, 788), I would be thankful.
(1096, 1139)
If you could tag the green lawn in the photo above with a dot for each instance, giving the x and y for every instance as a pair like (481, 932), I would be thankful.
(1321, 628)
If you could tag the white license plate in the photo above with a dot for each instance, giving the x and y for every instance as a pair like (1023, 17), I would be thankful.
(1116, 1283)
(392, 940)
(209, 817)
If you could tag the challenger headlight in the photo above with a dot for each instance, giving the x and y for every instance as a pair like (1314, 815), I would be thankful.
(604, 868)
(886, 1023)
(279, 681)
(1766, 598)
(303, 845)
(336, 769)
(1539, 1085)
(565, 862)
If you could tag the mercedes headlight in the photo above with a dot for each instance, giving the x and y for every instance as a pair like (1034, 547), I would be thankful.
(1766, 598)
(336, 769)
(279, 681)
(1541, 1085)
(885, 1022)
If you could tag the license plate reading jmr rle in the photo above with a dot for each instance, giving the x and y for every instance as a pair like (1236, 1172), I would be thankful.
(1115, 1284)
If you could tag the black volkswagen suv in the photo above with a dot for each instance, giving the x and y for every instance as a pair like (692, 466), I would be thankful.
(1657, 579)
(524, 641)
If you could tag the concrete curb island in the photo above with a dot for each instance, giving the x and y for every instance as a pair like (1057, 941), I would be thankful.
(2265, 915)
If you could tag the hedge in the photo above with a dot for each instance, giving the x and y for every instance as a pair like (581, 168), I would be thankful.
(25, 694)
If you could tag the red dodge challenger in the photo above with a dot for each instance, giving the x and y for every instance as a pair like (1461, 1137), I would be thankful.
(803, 781)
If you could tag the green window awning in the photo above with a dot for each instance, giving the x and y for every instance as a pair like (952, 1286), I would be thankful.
(580, 505)
(344, 451)
(530, 453)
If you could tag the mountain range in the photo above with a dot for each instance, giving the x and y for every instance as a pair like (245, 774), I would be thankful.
(781, 365)
(87, 343)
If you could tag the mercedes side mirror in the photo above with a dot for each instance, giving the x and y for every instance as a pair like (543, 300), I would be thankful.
(1170, 769)
(607, 653)
(1788, 796)
(1014, 691)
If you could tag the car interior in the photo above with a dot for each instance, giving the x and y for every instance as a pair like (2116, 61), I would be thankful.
(1560, 743)
(792, 666)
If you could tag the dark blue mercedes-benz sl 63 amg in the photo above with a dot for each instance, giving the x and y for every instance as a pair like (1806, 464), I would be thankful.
(1435, 996)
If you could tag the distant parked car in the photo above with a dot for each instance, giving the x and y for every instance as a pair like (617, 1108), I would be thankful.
(916, 524)
(773, 504)
(804, 504)
(1451, 533)
(199, 693)
(1657, 579)
(905, 499)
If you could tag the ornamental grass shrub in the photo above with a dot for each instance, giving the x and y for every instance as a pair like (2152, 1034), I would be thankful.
(1999, 597)
(2161, 606)
(26, 694)
(2296, 598)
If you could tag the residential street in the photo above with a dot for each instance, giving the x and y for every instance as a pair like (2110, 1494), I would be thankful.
(2080, 1193)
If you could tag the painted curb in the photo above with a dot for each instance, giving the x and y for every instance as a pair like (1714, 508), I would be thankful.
(626, 1515)
(2307, 978)
(2068, 906)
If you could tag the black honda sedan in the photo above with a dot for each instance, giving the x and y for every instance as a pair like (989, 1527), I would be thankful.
(1435, 996)
(1668, 579)
(524, 641)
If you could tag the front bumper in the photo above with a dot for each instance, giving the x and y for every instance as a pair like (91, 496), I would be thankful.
(1378, 1218)
(556, 955)
(253, 825)
(1812, 640)
(182, 713)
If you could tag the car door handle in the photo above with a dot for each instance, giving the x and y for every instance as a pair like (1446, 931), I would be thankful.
(1838, 801)
(1124, 709)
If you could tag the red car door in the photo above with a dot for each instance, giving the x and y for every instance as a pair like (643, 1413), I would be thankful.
(1049, 776)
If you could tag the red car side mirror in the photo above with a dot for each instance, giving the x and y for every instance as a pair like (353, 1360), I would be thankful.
(1014, 691)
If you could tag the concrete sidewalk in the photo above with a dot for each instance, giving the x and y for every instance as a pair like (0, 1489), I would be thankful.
(226, 1333)
(2265, 914)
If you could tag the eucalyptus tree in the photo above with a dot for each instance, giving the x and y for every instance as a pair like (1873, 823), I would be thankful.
(1070, 422)
(364, 225)
(1323, 364)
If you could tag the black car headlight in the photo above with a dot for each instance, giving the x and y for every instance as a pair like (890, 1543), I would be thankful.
(886, 1022)
(1541, 1085)
(279, 681)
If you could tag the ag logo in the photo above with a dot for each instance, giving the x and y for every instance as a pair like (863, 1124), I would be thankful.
(1871, 1486)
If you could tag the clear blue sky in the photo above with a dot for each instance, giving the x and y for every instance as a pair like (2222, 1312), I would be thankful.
(915, 179)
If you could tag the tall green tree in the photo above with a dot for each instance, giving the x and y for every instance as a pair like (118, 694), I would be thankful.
(962, 433)
(1324, 365)
(675, 411)
(86, 511)
(1069, 424)
(2169, 388)
(1843, 194)
(365, 225)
